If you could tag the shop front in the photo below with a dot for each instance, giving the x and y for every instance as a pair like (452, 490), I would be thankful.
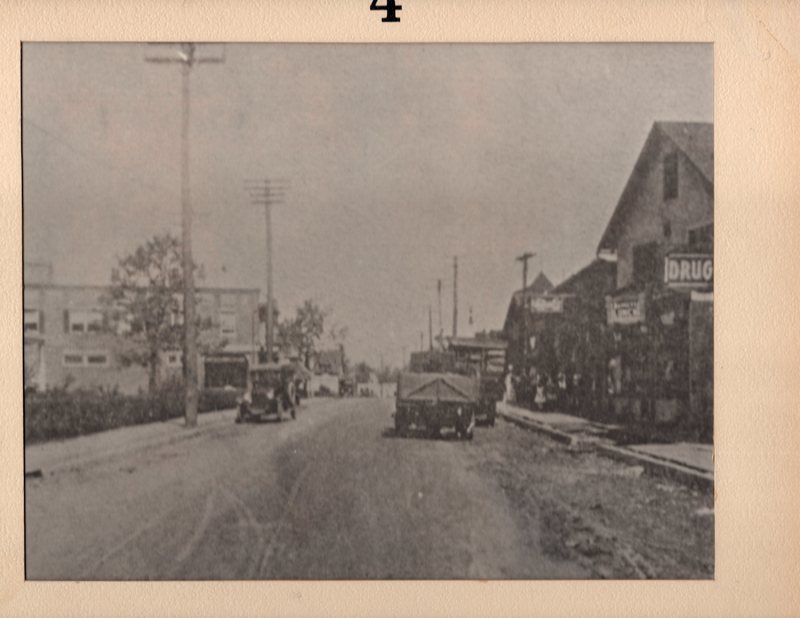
(660, 349)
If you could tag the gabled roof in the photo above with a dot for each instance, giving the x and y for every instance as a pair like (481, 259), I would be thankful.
(540, 285)
(694, 139)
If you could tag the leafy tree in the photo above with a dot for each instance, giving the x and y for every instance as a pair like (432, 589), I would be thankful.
(307, 328)
(144, 303)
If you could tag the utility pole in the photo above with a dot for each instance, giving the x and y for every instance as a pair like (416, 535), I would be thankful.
(525, 304)
(421, 341)
(430, 328)
(187, 57)
(455, 296)
(439, 294)
(263, 193)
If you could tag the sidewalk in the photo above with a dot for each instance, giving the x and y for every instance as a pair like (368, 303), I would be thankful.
(61, 454)
(689, 463)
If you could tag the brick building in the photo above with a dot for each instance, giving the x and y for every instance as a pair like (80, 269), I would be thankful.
(64, 338)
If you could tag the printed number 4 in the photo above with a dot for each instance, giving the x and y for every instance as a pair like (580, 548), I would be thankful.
(390, 7)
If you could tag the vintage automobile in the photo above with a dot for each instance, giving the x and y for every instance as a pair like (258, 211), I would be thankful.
(270, 391)
(432, 401)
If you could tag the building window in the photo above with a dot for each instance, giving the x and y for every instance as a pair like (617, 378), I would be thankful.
(73, 359)
(671, 176)
(85, 359)
(32, 322)
(645, 263)
(176, 313)
(176, 318)
(90, 321)
(97, 359)
(173, 359)
(227, 323)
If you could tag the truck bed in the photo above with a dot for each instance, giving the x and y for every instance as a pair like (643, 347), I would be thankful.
(432, 387)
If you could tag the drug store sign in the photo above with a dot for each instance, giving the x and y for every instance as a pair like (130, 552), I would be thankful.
(689, 270)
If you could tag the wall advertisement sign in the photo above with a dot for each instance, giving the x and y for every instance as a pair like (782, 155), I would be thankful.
(625, 310)
(689, 270)
(547, 304)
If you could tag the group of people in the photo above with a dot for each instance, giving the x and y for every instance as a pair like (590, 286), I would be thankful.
(542, 390)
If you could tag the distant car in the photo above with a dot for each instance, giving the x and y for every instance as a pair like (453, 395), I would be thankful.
(270, 392)
(347, 387)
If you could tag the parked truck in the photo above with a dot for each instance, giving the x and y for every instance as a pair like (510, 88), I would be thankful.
(429, 400)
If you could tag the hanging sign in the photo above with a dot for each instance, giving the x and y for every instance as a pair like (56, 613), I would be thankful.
(689, 270)
(547, 304)
(627, 310)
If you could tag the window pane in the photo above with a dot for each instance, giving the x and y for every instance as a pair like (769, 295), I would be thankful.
(227, 323)
(73, 359)
(31, 320)
(97, 359)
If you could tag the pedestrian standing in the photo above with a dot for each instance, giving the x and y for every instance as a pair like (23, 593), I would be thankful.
(509, 395)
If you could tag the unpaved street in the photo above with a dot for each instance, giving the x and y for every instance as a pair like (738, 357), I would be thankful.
(335, 494)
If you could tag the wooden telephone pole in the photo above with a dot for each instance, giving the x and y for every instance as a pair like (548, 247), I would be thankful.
(439, 295)
(430, 328)
(185, 54)
(526, 307)
(455, 296)
(264, 193)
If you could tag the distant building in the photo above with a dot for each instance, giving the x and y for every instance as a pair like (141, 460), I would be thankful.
(519, 324)
(66, 338)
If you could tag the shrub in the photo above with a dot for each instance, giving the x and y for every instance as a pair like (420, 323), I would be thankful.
(59, 413)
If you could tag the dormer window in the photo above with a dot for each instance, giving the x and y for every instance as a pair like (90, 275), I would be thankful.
(671, 176)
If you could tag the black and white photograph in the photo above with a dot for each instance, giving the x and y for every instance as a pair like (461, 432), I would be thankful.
(336, 311)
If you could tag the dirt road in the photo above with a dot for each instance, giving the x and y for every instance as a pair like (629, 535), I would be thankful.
(331, 495)
(335, 495)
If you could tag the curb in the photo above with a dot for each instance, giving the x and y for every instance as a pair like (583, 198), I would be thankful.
(660, 467)
(557, 435)
(657, 467)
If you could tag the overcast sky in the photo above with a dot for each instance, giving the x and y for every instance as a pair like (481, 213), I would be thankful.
(397, 158)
